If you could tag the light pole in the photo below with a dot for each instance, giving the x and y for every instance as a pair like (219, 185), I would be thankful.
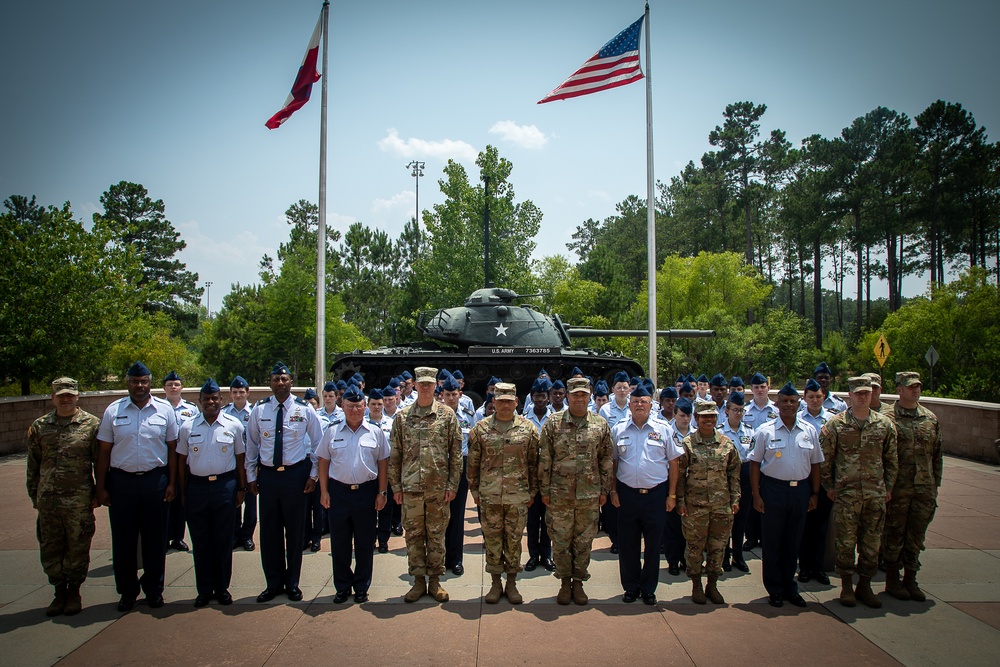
(208, 296)
(417, 170)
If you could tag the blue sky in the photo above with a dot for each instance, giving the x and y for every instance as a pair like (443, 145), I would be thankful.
(175, 95)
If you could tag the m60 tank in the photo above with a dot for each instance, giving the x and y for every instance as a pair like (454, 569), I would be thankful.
(489, 336)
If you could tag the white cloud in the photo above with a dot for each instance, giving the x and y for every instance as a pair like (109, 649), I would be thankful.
(524, 136)
(399, 200)
(443, 149)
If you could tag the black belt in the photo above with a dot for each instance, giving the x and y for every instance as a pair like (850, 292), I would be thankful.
(140, 473)
(222, 476)
(353, 487)
(287, 466)
(641, 491)
(785, 482)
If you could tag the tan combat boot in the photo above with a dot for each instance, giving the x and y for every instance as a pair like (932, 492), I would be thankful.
(697, 593)
(496, 591)
(513, 595)
(864, 592)
(910, 582)
(893, 586)
(579, 596)
(58, 603)
(565, 594)
(73, 602)
(418, 590)
(847, 592)
(712, 591)
(434, 588)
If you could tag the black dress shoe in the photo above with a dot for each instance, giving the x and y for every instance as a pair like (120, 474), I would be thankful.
(314, 547)
(341, 597)
(748, 545)
(649, 598)
(225, 598)
(674, 570)
(741, 565)
(294, 594)
(550, 565)
(126, 603)
(803, 576)
(179, 545)
(726, 566)
(397, 530)
(202, 600)
(796, 600)
(155, 603)
(249, 545)
(775, 600)
(822, 578)
(268, 594)
(458, 569)
(361, 597)
(383, 548)
(614, 548)
(531, 564)
(630, 596)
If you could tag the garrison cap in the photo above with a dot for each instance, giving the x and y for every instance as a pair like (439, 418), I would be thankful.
(437, 390)
(578, 384)
(451, 384)
(758, 378)
(353, 394)
(640, 391)
(65, 385)
(358, 377)
(310, 394)
(634, 380)
(668, 392)
(706, 408)
(443, 374)
(649, 385)
(737, 398)
(691, 378)
(540, 386)
(788, 390)
(489, 399)
(138, 370)
(458, 375)
(680, 379)
(394, 382)
(875, 378)
(239, 383)
(505, 391)
(406, 375)
(736, 381)
(718, 380)
(558, 384)
(908, 379)
(620, 376)
(812, 385)
(601, 388)
(494, 381)
(389, 391)
(686, 387)
(211, 387)
(330, 386)
(341, 385)
(375, 395)
(822, 368)
(543, 373)
(171, 376)
(576, 371)
(859, 383)
(701, 378)
(280, 369)
(426, 374)
(685, 405)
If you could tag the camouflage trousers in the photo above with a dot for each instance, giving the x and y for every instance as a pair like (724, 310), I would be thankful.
(707, 534)
(425, 520)
(572, 528)
(502, 527)
(64, 536)
(908, 515)
(858, 525)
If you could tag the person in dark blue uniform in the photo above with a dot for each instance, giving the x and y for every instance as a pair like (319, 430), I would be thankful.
(282, 470)
(212, 476)
(315, 521)
(742, 436)
(353, 463)
(539, 544)
(454, 543)
(246, 513)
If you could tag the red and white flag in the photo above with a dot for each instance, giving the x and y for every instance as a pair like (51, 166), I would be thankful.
(307, 76)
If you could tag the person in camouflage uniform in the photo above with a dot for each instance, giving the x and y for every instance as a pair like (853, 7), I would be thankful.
(708, 496)
(503, 478)
(62, 451)
(914, 496)
(575, 474)
(425, 466)
(858, 470)
(877, 404)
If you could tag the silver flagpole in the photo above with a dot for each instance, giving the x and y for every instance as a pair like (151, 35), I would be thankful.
(650, 211)
(321, 235)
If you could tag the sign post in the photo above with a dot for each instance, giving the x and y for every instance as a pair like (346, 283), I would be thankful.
(932, 357)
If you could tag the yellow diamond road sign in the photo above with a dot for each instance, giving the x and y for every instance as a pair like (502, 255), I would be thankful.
(882, 350)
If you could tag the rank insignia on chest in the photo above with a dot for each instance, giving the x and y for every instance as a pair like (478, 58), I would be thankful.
(266, 434)
(777, 455)
(772, 415)
(622, 449)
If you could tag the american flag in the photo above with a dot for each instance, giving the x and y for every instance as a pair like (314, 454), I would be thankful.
(616, 64)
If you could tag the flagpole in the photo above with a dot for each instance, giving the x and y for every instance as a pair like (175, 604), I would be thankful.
(321, 235)
(650, 211)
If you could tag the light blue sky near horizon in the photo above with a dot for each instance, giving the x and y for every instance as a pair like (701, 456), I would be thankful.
(175, 95)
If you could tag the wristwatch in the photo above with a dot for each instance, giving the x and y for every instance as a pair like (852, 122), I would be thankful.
(384, 494)
(315, 479)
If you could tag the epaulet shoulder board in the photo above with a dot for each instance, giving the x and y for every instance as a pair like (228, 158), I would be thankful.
(264, 401)
(300, 401)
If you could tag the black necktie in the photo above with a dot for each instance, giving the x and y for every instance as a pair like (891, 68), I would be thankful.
(279, 428)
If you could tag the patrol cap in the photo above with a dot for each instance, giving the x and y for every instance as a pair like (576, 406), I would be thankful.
(451, 384)
(310, 394)
(558, 384)
(788, 390)
(822, 368)
(494, 381)
(330, 386)
(540, 386)
(620, 376)
(737, 398)
(908, 379)
(426, 374)
(706, 408)
(239, 383)
(457, 374)
(280, 369)
(212, 387)
(341, 385)
(578, 385)
(353, 394)
(758, 378)
(736, 381)
(138, 370)
(859, 383)
(172, 376)
(668, 392)
(576, 371)
(875, 379)
(812, 385)
(505, 391)
(685, 405)
(375, 395)
(640, 391)
(686, 387)
(718, 380)
(406, 375)
(65, 385)
(701, 378)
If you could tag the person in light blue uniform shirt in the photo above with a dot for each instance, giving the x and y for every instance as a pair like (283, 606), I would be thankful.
(557, 396)
(542, 375)
(539, 543)
(674, 544)
(212, 476)
(616, 409)
(353, 471)
(812, 554)
(184, 411)
(463, 400)
(135, 477)
(742, 436)
(718, 390)
(454, 542)
(668, 403)
(246, 513)
(282, 469)
(490, 387)
(331, 412)
(600, 397)
(785, 482)
(315, 522)
(376, 416)
(645, 457)
(824, 376)
(761, 409)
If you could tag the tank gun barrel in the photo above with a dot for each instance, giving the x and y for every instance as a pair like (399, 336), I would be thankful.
(587, 332)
